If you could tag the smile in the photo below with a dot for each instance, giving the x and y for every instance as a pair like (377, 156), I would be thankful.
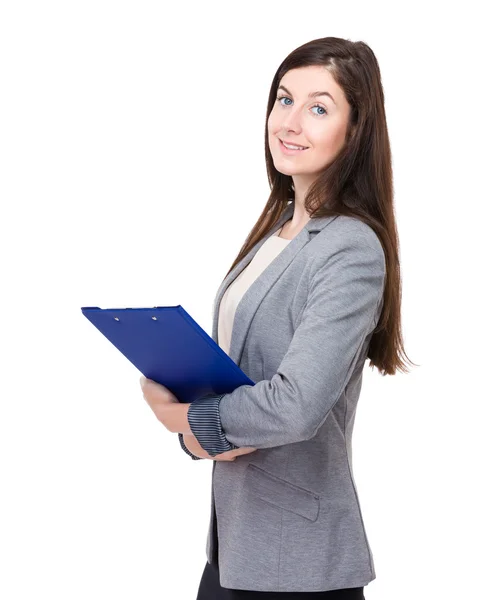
(291, 149)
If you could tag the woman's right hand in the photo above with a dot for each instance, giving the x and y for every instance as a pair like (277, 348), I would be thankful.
(194, 447)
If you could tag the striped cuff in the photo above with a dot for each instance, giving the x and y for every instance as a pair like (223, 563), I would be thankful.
(204, 421)
(183, 446)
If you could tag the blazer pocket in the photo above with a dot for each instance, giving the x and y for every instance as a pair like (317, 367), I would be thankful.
(282, 493)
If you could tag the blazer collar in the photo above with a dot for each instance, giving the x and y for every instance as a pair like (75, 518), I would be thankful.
(252, 298)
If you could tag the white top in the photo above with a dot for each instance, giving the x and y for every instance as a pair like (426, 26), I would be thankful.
(235, 291)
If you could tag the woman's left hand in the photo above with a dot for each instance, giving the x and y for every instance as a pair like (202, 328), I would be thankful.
(160, 399)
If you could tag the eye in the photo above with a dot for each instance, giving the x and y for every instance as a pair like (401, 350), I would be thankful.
(314, 106)
(318, 106)
(283, 98)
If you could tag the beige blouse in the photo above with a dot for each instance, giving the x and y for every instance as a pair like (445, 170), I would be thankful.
(235, 291)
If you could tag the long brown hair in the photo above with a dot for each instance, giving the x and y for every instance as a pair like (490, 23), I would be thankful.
(358, 183)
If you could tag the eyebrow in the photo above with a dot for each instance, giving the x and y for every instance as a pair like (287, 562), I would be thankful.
(313, 95)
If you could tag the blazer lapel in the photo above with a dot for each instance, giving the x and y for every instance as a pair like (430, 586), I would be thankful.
(252, 298)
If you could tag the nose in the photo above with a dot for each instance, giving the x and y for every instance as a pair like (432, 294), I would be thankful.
(291, 121)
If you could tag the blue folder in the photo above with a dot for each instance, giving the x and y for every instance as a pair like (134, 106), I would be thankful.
(167, 345)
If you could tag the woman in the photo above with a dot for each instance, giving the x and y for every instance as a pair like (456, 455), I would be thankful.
(313, 293)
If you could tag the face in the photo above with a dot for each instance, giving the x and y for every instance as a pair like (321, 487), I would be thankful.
(317, 122)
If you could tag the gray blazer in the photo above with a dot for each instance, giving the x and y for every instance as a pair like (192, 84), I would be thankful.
(288, 515)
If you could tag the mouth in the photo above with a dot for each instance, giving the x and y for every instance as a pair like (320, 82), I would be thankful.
(290, 149)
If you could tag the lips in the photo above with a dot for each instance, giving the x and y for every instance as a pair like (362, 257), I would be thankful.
(293, 144)
(289, 152)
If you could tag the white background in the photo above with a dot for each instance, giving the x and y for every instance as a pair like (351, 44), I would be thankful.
(132, 169)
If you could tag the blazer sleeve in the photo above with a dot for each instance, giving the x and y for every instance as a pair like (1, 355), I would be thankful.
(344, 296)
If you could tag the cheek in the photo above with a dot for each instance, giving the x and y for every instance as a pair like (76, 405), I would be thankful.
(325, 147)
(272, 131)
(328, 142)
(271, 123)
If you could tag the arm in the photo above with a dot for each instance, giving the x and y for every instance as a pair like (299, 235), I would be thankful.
(191, 446)
(342, 308)
(199, 450)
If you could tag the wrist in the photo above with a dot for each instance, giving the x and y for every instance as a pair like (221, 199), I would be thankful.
(175, 418)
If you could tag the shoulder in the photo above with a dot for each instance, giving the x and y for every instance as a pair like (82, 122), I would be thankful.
(346, 248)
(354, 231)
(348, 234)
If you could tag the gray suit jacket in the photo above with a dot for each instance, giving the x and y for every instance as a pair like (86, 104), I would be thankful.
(288, 515)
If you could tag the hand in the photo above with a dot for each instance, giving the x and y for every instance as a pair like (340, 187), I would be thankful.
(195, 448)
(235, 453)
(159, 399)
(193, 445)
(165, 405)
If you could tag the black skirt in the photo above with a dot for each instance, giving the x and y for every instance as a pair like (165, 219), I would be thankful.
(210, 588)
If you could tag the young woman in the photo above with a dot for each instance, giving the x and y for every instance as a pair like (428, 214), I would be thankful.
(314, 292)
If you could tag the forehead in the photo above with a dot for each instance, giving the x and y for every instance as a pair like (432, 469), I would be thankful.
(306, 80)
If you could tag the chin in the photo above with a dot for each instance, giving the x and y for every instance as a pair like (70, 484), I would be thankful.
(282, 166)
(284, 171)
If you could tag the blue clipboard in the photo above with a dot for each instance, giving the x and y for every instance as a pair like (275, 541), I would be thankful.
(167, 345)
